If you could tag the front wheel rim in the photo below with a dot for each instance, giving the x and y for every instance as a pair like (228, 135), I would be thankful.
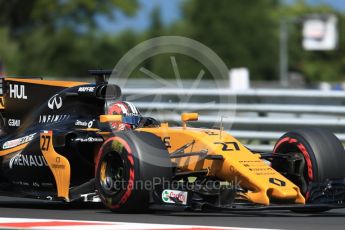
(112, 174)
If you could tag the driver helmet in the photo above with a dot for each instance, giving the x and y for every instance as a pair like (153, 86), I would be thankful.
(131, 116)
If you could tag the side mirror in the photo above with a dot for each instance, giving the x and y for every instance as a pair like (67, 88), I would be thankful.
(110, 118)
(188, 117)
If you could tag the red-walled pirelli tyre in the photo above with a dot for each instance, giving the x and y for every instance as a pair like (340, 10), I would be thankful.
(322, 151)
(128, 166)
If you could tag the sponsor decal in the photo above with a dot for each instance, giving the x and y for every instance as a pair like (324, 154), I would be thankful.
(229, 146)
(179, 195)
(17, 91)
(35, 184)
(86, 89)
(211, 133)
(90, 139)
(80, 123)
(46, 184)
(55, 102)
(277, 182)
(13, 122)
(28, 161)
(23, 183)
(131, 114)
(91, 197)
(50, 118)
(18, 141)
(57, 164)
(88, 124)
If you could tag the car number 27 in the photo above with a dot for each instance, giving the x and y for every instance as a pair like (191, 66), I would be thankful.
(46, 142)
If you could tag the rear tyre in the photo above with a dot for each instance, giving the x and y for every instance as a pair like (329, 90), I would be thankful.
(129, 167)
(323, 154)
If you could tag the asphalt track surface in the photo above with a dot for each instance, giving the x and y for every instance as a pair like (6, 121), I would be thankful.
(22, 208)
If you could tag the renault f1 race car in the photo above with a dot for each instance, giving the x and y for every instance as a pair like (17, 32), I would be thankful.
(58, 142)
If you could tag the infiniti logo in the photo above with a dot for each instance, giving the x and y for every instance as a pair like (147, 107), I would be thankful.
(55, 102)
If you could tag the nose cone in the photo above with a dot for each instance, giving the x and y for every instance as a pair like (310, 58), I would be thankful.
(286, 194)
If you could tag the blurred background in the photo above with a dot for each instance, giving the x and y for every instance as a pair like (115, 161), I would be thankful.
(63, 38)
(286, 57)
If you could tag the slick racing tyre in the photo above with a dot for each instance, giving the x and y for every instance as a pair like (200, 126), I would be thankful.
(129, 167)
(323, 154)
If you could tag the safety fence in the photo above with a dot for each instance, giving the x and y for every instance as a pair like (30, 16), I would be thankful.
(258, 117)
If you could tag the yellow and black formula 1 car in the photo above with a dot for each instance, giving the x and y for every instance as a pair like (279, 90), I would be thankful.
(57, 143)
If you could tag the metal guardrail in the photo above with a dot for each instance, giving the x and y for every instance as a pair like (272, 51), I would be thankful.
(261, 117)
(259, 108)
(269, 122)
(315, 94)
(264, 136)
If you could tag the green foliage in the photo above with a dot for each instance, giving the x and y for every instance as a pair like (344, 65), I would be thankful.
(62, 38)
(8, 49)
(26, 16)
(314, 65)
(246, 33)
(56, 37)
(242, 34)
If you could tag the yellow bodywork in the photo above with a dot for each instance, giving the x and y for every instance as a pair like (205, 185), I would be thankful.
(2, 103)
(239, 164)
(58, 164)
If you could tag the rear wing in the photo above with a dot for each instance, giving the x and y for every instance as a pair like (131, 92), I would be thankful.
(23, 97)
(2, 90)
(100, 75)
(13, 87)
(29, 101)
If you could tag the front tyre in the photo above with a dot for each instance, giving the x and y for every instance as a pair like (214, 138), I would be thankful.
(129, 167)
(323, 157)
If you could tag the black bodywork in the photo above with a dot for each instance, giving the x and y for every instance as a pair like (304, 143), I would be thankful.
(72, 112)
